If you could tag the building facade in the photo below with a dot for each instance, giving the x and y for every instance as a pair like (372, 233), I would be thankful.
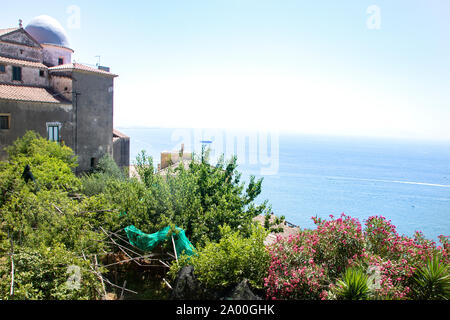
(41, 89)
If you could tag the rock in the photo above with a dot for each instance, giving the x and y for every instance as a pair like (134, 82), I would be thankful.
(187, 286)
(242, 291)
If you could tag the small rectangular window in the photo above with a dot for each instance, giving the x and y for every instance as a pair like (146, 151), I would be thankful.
(17, 74)
(53, 133)
(41, 73)
(60, 61)
(5, 121)
(94, 163)
(2, 68)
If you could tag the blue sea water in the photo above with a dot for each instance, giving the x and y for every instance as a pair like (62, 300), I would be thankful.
(408, 182)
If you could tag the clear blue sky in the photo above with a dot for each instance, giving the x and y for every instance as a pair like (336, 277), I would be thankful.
(307, 66)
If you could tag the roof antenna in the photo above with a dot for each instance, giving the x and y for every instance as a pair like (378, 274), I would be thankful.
(98, 63)
(20, 23)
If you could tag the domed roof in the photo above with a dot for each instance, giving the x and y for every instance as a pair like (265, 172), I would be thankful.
(47, 30)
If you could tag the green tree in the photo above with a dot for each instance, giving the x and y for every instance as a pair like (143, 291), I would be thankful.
(43, 229)
(51, 165)
(229, 261)
(199, 198)
(107, 171)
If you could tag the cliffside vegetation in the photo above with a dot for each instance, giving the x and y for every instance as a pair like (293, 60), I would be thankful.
(55, 235)
(52, 227)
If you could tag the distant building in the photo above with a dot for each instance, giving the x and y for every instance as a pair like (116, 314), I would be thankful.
(171, 159)
(41, 89)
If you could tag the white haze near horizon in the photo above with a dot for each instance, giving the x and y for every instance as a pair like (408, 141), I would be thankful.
(285, 103)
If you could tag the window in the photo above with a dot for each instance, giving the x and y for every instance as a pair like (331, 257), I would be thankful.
(2, 68)
(53, 133)
(41, 73)
(5, 121)
(94, 163)
(60, 61)
(17, 74)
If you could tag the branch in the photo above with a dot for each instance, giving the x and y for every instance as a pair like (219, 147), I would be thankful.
(168, 284)
(131, 259)
(120, 247)
(101, 278)
(11, 291)
(59, 210)
(99, 275)
(174, 249)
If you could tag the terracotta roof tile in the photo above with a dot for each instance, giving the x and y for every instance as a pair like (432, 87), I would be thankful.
(24, 63)
(82, 67)
(118, 134)
(25, 93)
(288, 229)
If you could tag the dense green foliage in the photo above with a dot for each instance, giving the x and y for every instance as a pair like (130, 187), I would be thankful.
(97, 181)
(44, 231)
(50, 227)
(51, 166)
(52, 231)
(231, 260)
(198, 199)
(354, 285)
(432, 280)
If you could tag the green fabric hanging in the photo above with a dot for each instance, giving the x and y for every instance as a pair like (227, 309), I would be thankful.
(147, 242)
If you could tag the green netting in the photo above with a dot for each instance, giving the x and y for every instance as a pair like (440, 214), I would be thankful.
(147, 242)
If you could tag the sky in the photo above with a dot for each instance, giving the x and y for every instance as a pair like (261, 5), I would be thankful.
(358, 68)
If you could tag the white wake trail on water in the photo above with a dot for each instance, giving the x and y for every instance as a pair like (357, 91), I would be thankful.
(394, 181)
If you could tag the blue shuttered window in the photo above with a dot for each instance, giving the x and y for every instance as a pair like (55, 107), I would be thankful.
(53, 133)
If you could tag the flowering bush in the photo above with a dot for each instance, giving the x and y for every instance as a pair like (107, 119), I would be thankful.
(337, 241)
(309, 265)
(293, 273)
(303, 265)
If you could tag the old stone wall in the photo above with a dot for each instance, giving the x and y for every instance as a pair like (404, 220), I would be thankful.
(16, 51)
(52, 53)
(62, 85)
(93, 103)
(34, 116)
(121, 151)
(30, 76)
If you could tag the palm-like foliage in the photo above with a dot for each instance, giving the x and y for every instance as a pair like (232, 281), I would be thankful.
(432, 281)
(353, 285)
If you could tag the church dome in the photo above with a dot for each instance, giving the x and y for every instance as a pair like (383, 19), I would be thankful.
(47, 30)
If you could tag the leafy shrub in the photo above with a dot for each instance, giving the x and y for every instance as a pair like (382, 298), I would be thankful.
(198, 199)
(51, 165)
(353, 285)
(48, 273)
(432, 281)
(107, 171)
(32, 145)
(48, 230)
(229, 261)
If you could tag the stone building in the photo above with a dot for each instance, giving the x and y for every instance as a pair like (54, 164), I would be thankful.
(41, 89)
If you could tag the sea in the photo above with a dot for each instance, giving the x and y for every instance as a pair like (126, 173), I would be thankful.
(406, 181)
